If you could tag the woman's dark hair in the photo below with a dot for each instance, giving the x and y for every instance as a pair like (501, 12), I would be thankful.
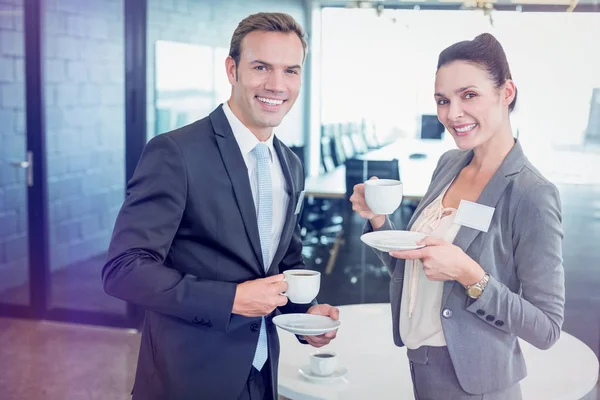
(487, 52)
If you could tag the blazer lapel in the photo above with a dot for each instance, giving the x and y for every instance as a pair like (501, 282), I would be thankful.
(491, 194)
(238, 174)
(288, 225)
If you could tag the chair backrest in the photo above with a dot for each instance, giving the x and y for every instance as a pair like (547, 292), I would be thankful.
(358, 140)
(369, 135)
(326, 153)
(339, 156)
(346, 142)
(358, 171)
(431, 127)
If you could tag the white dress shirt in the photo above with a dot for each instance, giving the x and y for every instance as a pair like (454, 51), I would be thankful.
(247, 141)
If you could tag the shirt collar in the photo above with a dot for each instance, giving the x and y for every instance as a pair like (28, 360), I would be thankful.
(244, 137)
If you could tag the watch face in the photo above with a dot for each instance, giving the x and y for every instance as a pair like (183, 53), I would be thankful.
(474, 292)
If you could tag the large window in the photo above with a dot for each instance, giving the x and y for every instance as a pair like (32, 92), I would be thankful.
(385, 70)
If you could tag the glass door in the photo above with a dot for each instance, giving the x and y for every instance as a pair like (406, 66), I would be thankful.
(84, 108)
(62, 157)
(15, 163)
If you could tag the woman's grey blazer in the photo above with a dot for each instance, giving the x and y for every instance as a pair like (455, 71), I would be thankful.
(522, 252)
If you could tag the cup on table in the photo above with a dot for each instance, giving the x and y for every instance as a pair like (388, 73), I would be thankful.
(383, 196)
(323, 363)
(303, 285)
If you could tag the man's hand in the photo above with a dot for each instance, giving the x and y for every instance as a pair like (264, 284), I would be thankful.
(328, 311)
(260, 297)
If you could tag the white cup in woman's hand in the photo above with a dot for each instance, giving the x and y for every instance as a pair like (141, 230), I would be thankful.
(359, 203)
(383, 196)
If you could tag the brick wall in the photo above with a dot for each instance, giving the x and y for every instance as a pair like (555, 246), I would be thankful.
(85, 124)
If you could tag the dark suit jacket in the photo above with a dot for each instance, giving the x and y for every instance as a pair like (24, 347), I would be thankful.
(186, 235)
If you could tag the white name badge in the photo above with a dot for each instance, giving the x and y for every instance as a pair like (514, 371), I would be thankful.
(299, 204)
(474, 215)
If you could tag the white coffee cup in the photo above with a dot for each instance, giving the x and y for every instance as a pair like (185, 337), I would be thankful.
(303, 285)
(323, 363)
(383, 196)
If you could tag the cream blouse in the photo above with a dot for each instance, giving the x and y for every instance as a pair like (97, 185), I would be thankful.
(420, 321)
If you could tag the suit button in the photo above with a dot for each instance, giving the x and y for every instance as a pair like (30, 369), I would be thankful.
(480, 312)
(254, 327)
(447, 313)
(499, 323)
(490, 318)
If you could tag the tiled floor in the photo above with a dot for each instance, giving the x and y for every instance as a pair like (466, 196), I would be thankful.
(54, 361)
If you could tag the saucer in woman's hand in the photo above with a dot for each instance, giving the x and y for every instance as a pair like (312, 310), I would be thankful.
(387, 241)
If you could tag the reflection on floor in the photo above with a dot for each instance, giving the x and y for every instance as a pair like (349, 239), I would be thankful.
(77, 287)
(55, 361)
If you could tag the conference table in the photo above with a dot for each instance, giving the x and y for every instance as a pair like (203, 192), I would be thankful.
(377, 369)
(417, 159)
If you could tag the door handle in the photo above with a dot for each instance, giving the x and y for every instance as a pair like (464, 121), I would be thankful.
(28, 165)
(20, 164)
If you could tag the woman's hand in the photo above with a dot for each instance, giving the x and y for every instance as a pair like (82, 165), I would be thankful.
(359, 205)
(443, 261)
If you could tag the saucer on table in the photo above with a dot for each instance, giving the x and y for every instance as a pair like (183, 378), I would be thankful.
(339, 373)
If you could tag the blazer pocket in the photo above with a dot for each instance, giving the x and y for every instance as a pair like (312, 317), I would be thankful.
(398, 273)
(395, 296)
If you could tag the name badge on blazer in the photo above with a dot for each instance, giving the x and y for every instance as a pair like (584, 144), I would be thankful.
(474, 215)
(299, 203)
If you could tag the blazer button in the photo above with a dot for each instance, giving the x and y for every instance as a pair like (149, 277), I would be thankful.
(480, 312)
(499, 323)
(447, 313)
(490, 318)
(254, 327)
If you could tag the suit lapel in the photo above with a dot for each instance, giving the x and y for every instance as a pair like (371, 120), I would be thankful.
(288, 225)
(491, 194)
(238, 175)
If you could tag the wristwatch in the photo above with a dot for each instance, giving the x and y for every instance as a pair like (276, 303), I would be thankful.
(476, 290)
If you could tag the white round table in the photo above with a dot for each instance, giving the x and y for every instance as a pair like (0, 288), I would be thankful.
(377, 369)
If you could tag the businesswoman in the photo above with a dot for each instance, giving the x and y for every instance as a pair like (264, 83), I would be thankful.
(491, 271)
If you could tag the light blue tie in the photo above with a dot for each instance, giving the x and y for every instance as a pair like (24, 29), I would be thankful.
(264, 219)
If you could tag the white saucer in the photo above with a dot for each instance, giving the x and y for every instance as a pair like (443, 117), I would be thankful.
(387, 241)
(339, 373)
(306, 324)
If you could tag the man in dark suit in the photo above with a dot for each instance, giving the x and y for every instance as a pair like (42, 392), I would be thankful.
(209, 223)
